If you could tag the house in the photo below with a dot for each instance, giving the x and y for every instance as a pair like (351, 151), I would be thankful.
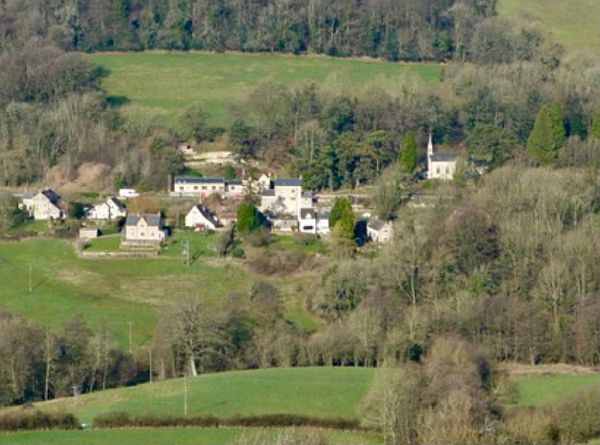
(440, 165)
(108, 210)
(234, 189)
(264, 182)
(186, 186)
(379, 231)
(142, 230)
(311, 221)
(284, 223)
(43, 205)
(284, 197)
(199, 217)
(128, 193)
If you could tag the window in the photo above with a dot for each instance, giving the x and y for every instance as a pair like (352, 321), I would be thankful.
(181, 187)
(203, 187)
(142, 234)
(437, 170)
(195, 187)
(214, 187)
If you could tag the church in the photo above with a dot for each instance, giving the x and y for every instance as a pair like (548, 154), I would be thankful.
(440, 165)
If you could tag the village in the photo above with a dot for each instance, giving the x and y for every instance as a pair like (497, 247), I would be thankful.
(287, 208)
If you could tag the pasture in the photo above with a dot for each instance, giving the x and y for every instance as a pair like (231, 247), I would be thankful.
(541, 390)
(575, 24)
(168, 82)
(117, 291)
(318, 392)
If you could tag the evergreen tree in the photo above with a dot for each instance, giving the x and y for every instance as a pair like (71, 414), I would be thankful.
(341, 218)
(407, 161)
(248, 218)
(547, 136)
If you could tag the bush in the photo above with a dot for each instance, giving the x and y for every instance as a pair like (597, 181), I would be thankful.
(279, 262)
(577, 417)
(37, 420)
(122, 419)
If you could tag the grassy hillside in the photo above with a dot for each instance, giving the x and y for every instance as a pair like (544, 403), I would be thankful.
(169, 82)
(320, 392)
(116, 291)
(574, 23)
(180, 436)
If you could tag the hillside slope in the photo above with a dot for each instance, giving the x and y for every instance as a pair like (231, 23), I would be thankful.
(574, 23)
(321, 392)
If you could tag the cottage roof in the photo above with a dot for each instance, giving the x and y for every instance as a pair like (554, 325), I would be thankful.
(307, 213)
(51, 195)
(444, 157)
(152, 220)
(234, 182)
(376, 224)
(116, 202)
(288, 182)
(206, 214)
(194, 180)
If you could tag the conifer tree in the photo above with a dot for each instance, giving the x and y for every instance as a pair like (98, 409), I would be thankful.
(407, 161)
(548, 135)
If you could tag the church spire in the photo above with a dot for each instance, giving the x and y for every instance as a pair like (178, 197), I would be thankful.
(430, 146)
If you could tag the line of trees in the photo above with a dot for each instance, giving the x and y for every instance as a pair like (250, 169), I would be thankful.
(409, 30)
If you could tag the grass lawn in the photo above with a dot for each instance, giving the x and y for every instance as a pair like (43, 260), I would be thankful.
(544, 389)
(169, 82)
(321, 392)
(201, 245)
(110, 243)
(31, 225)
(574, 23)
(172, 436)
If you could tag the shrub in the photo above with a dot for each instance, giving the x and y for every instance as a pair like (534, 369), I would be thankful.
(577, 417)
(37, 420)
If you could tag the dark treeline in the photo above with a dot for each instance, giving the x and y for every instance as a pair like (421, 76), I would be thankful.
(41, 364)
(395, 30)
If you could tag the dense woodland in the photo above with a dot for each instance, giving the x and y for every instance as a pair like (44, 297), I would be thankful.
(501, 267)
(408, 30)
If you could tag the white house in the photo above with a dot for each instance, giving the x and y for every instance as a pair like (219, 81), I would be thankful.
(440, 165)
(234, 189)
(200, 217)
(284, 198)
(186, 186)
(43, 205)
(311, 221)
(379, 231)
(109, 210)
(128, 193)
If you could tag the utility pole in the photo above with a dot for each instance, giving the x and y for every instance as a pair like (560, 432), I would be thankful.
(185, 395)
(150, 363)
(130, 323)
(30, 278)
(185, 250)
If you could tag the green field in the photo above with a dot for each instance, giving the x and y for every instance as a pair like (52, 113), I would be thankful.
(171, 436)
(169, 82)
(320, 392)
(574, 23)
(116, 291)
(544, 389)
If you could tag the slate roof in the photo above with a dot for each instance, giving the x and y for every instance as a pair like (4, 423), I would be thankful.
(193, 180)
(51, 195)
(206, 213)
(152, 220)
(288, 182)
(234, 181)
(376, 224)
(305, 212)
(444, 157)
(116, 202)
